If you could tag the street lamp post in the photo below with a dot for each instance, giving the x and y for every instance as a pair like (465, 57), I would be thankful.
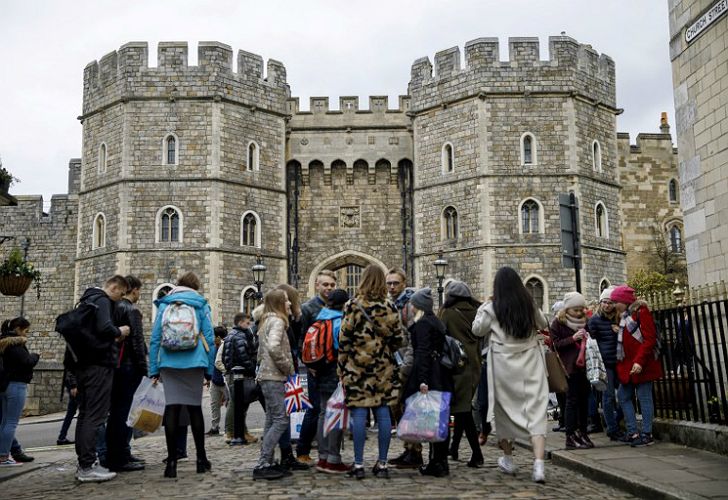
(259, 270)
(440, 266)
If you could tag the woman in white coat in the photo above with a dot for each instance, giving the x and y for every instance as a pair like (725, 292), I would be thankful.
(517, 383)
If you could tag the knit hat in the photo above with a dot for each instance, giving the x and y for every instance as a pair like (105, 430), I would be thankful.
(422, 299)
(574, 299)
(458, 289)
(558, 305)
(607, 293)
(623, 294)
(337, 298)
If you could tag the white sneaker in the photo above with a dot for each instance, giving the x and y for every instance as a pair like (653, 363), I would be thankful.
(10, 462)
(506, 465)
(539, 474)
(94, 474)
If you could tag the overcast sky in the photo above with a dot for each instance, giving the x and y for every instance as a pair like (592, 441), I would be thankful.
(329, 48)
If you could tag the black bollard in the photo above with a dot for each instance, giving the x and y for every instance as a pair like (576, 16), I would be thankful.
(238, 422)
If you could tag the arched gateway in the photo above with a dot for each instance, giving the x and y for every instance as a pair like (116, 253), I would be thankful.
(348, 266)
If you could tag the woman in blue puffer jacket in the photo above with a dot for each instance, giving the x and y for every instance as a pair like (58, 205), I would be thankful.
(183, 369)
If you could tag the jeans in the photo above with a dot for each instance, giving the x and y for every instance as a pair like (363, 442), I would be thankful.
(12, 400)
(70, 413)
(329, 447)
(310, 420)
(94, 400)
(101, 448)
(125, 383)
(609, 404)
(644, 395)
(217, 394)
(577, 403)
(276, 419)
(384, 425)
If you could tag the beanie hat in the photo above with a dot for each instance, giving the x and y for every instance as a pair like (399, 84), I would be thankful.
(422, 299)
(558, 305)
(337, 298)
(607, 293)
(458, 289)
(623, 294)
(574, 299)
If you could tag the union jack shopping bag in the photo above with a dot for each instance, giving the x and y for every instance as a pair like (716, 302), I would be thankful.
(296, 399)
(337, 414)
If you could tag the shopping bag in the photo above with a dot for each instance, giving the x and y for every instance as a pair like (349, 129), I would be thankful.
(595, 370)
(337, 414)
(296, 421)
(147, 407)
(295, 398)
(426, 417)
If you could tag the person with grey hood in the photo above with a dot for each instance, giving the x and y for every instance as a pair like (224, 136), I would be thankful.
(457, 314)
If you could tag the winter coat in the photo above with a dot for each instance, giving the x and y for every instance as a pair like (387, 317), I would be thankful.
(18, 363)
(201, 356)
(105, 333)
(407, 315)
(367, 367)
(562, 338)
(428, 339)
(327, 378)
(600, 328)
(641, 353)
(274, 352)
(517, 382)
(458, 319)
(240, 348)
(133, 350)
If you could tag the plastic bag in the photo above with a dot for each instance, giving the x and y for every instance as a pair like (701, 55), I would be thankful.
(426, 417)
(147, 407)
(595, 370)
(337, 414)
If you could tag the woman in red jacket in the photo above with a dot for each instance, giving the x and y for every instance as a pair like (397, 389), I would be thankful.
(637, 362)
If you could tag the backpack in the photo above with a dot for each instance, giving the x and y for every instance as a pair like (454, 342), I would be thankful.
(453, 355)
(179, 327)
(318, 344)
(77, 329)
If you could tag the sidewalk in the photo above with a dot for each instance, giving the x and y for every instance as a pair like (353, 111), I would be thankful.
(663, 470)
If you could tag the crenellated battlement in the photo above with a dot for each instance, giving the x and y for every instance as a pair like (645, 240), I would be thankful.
(571, 67)
(125, 74)
(348, 104)
(359, 172)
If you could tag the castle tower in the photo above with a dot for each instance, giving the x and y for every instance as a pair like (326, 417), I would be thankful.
(182, 170)
(495, 142)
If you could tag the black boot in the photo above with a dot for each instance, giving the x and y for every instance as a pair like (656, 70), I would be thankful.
(171, 469)
(435, 469)
(454, 452)
(289, 462)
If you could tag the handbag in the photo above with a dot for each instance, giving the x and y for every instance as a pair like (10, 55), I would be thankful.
(556, 372)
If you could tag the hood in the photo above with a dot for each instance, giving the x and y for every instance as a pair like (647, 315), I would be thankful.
(405, 295)
(634, 306)
(186, 295)
(327, 313)
(257, 312)
(93, 294)
(11, 340)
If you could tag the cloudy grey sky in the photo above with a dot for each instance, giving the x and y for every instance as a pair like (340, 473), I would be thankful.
(330, 48)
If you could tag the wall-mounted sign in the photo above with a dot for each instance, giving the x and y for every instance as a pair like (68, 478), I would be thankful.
(715, 12)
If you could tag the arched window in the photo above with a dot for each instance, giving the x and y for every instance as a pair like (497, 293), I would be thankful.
(596, 156)
(673, 191)
(601, 220)
(528, 149)
(530, 217)
(536, 287)
(159, 292)
(604, 284)
(102, 158)
(448, 158)
(450, 223)
(99, 231)
(250, 229)
(253, 156)
(248, 300)
(675, 239)
(349, 276)
(169, 225)
(170, 150)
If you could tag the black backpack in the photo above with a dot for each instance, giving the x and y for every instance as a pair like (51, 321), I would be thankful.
(453, 355)
(77, 329)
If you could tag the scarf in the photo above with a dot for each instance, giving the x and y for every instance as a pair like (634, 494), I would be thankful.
(633, 327)
(575, 324)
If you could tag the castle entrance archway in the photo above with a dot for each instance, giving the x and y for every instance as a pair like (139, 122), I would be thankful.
(348, 266)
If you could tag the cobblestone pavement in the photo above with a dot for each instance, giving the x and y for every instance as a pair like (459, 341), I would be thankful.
(231, 477)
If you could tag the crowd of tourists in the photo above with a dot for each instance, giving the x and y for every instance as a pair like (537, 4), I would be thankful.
(388, 345)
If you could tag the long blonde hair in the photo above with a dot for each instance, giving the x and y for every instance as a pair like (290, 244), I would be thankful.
(293, 298)
(373, 285)
(275, 302)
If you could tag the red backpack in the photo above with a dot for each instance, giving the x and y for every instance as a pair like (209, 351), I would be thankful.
(318, 344)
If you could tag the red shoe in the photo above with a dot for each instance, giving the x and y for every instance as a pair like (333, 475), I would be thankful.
(337, 468)
(322, 465)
